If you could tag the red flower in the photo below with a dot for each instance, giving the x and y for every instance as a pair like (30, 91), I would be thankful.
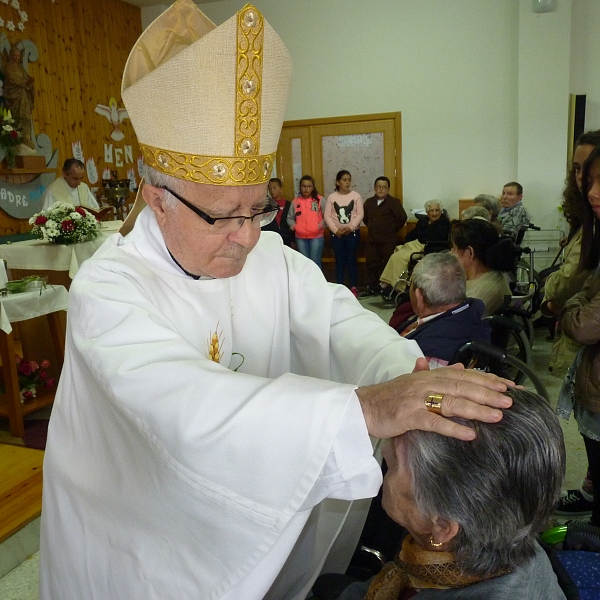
(81, 211)
(67, 225)
(43, 375)
(41, 220)
(49, 383)
(27, 394)
(34, 366)
(14, 135)
(25, 368)
(45, 364)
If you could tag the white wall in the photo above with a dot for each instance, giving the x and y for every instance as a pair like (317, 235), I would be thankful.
(543, 108)
(482, 84)
(585, 57)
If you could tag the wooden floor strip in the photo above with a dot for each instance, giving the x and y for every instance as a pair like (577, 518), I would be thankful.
(20, 487)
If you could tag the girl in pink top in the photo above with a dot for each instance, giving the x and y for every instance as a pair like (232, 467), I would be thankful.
(305, 219)
(343, 215)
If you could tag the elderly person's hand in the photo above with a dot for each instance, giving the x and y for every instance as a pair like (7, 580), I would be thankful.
(397, 406)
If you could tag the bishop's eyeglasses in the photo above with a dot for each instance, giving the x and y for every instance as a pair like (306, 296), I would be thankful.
(231, 224)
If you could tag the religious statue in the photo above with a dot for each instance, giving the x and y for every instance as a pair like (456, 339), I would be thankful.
(19, 93)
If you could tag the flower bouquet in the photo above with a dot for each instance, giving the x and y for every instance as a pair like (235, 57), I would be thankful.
(10, 138)
(64, 223)
(30, 375)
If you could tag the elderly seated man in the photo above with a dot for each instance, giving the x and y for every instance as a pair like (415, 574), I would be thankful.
(444, 318)
(473, 545)
(513, 215)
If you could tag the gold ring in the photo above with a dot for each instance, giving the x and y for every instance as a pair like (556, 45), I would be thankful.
(433, 403)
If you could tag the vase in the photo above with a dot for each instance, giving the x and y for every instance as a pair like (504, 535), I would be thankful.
(10, 158)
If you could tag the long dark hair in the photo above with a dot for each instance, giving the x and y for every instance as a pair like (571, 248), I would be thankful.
(339, 176)
(314, 193)
(573, 204)
(590, 232)
(489, 248)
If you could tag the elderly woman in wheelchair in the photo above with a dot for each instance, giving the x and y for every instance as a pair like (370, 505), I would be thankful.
(435, 227)
(484, 256)
(473, 510)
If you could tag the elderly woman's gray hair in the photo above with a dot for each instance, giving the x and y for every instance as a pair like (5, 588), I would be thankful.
(475, 212)
(500, 488)
(430, 203)
(441, 279)
(489, 202)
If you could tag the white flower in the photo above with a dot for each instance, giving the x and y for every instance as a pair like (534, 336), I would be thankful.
(10, 26)
(15, 4)
(21, 26)
(1, 22)
(7, 128)
(75, 216)
(5, 1)
(24, 16)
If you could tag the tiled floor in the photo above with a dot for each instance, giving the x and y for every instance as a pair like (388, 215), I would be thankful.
(21, 583)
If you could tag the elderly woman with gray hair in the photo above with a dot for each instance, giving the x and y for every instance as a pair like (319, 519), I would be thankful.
(435, 227)
(492, 205)
(473, 509)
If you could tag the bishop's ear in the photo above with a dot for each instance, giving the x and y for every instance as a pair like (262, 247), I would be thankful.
(155, 199)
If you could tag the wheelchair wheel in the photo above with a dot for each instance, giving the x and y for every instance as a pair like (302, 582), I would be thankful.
(508, 335)
(517, 348)
(402, 297)
(522, 374)
(527, 325)
(491, 359)
(523, 278)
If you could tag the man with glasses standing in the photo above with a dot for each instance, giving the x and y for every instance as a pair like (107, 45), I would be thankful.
(216, 389)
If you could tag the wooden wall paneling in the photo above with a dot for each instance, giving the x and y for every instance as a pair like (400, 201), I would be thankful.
(83, 46)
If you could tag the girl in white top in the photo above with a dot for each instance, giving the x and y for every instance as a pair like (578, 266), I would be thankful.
(343, 215)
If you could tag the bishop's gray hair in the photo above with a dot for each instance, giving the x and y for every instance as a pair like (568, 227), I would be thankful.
(500, 488)
(489, 202)
(158, 179)
(479, 212)
(441, 279)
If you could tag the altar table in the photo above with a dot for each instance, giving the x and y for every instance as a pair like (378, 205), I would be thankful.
(21, 308)
(60, 262)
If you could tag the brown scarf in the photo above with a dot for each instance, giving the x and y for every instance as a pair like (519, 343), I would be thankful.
(418, 568)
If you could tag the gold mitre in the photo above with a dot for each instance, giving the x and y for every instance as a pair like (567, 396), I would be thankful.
(206, 102)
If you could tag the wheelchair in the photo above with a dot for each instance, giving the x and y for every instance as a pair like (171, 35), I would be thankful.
(489, 358)
(400, 296)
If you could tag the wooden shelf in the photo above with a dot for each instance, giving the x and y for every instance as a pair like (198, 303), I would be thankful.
(43, 399)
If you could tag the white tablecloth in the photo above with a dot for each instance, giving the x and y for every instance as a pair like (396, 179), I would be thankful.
(28, 305)
(40, 255)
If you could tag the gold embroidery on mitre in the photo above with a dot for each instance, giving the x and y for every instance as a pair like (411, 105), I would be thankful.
(250, 38)
(216, 170)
